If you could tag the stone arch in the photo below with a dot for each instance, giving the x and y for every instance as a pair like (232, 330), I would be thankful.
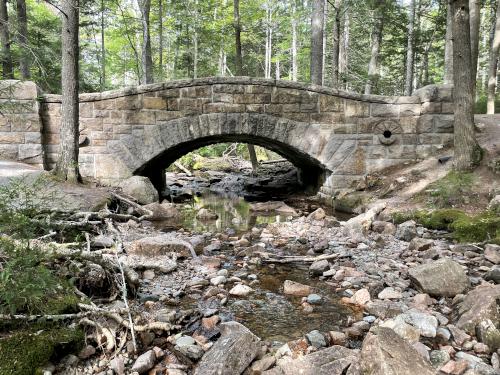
(150, 149)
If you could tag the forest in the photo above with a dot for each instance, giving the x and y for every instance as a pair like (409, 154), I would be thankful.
(263, 187)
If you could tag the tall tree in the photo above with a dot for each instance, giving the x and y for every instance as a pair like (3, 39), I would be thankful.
(448, 51)
(467, 150)
(7, 69)
(294, 41)
(336, 42)
(146, 59)
(103, 49)
(317, 41)
(269, 41)
(67, 163)
(493, 64)
(160, 39)
(237, 37)
(475, 23)
(410, 54)
(22, 37)
(378, 25)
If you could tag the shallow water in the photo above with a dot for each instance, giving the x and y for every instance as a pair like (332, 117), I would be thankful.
(279, 318)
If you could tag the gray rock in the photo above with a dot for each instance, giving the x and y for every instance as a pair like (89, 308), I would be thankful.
(406, 231)
(184, 341)
(493, 275)
(317, 268)
(426, 323)
(439, 357)
(420, 244)
(314, 299)
(442, 278)
(194, 352)
(492, 253)
(232, 352)
(478, 305)
(316, 339)
(102, 241)
(385, 353)
(140, 188)
(206, 214)
(144, 362)
(488, 334)
(494, 204)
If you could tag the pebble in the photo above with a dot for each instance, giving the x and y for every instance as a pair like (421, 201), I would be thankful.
(314, 299)
(218, 280)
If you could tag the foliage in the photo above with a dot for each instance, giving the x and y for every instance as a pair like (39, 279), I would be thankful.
(451, 190)
(482, 102)
(24, 352)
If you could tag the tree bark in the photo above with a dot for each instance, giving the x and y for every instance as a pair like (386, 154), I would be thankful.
(269, 41)
(103, 50)
(67, 163)
(448, 50)
(147, 60)
(317, 41)
(160, 41)
(22, 30)
(493, 64)
(195, 41)
(336, 43)
(7, 69)
(409, 50)
(467, 151)
(253, 157)
(294, 41)
(378, 25)
(237, 37)
(475, 21)
(344, 49)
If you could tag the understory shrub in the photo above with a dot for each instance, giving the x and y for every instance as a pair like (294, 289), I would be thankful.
(451, 190)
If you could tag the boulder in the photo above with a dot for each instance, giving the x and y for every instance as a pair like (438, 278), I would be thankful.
(206, 214)
(386, 353)
(162, 211)
(335, 360)
(140, 188)
(390, 293)
(317, 215)
(240, 290)
(478, 305)
(232, 352)
(493, 274)
(442, 278)
(160, 245)
(273, 206)
(144, 362)
(406, 231)
(317, 268)
(296, 289)
(487, 333)
(361, 297)
(420, 244)
(316, 339)
(492, 253)
(426, 323)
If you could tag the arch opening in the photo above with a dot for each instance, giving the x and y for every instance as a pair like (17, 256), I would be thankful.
(310, 173)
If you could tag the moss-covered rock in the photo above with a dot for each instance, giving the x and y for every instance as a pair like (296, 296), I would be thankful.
(23, 353)
(351, 203)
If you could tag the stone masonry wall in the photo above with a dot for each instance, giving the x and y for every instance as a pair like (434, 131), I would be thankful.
(349, 135)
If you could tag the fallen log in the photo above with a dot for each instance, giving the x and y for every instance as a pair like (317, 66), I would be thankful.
(274, 258)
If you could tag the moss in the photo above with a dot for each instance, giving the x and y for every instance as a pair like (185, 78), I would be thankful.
(25, 352)
(453, 189)
(465, 228)
(61, 304)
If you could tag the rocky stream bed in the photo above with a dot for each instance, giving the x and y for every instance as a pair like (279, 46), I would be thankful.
(299, 291)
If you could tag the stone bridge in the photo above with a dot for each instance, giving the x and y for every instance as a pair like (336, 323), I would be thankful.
(335, 138)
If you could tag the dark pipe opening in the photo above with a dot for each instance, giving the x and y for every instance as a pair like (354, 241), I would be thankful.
(387, 134)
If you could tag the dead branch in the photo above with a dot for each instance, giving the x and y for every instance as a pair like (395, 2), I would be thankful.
(42, 317)
(274, 258)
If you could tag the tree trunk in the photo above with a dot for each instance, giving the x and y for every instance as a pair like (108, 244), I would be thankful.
(147, 60)
(103, 50)
(294, 41)
(277, 70)
(344, 50)
(448, 51)
(22, 30)
(409, 50)
(475, 21)
(195, 41)
(493, 64)
(336, 43)
(467, 151)
(67, 163)
(269, 41)
(160, 41)
(323, 43)
(378, 25)
(317, 41)
(7, 69)
(253, 157)
(237, 37)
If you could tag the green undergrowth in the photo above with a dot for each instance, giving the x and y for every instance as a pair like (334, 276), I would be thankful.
(465, 228)
(456, 188)
(24, 352)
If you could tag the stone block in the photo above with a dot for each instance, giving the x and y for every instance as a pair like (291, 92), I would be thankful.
(110, 168)
(443, 123)
(224, 107)
(11, 137)
(188, 92)
(14, 89)
(127, 103)
(8, 151)
(203, 91)
(431, 107)
(244, 98)
(90, 124)
(273, 108)
(25, 123)
(258, 89)
(401, 152)
(409, 124)
(141, 117)
(29, 151)
(167, 115)
(376, 152)
(429, 139)
(328, 103)
(286, 96)
(297, 116)
(102, 113)
(409, 139)
(105, 104)
(258, 108)
(33, 137)
(328, 117)
(425, 124)
(86, 109)
(229, 88)
(169, 93)
(447, 108)
(223, 97)
(409, 110)
(384, 110)
(154, 103)
(354, 108)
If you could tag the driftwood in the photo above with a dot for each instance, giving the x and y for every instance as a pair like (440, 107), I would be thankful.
(273, 258)
(183, 168)
(41, 317)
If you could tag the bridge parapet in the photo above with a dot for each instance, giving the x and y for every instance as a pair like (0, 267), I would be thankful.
(138, 129)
